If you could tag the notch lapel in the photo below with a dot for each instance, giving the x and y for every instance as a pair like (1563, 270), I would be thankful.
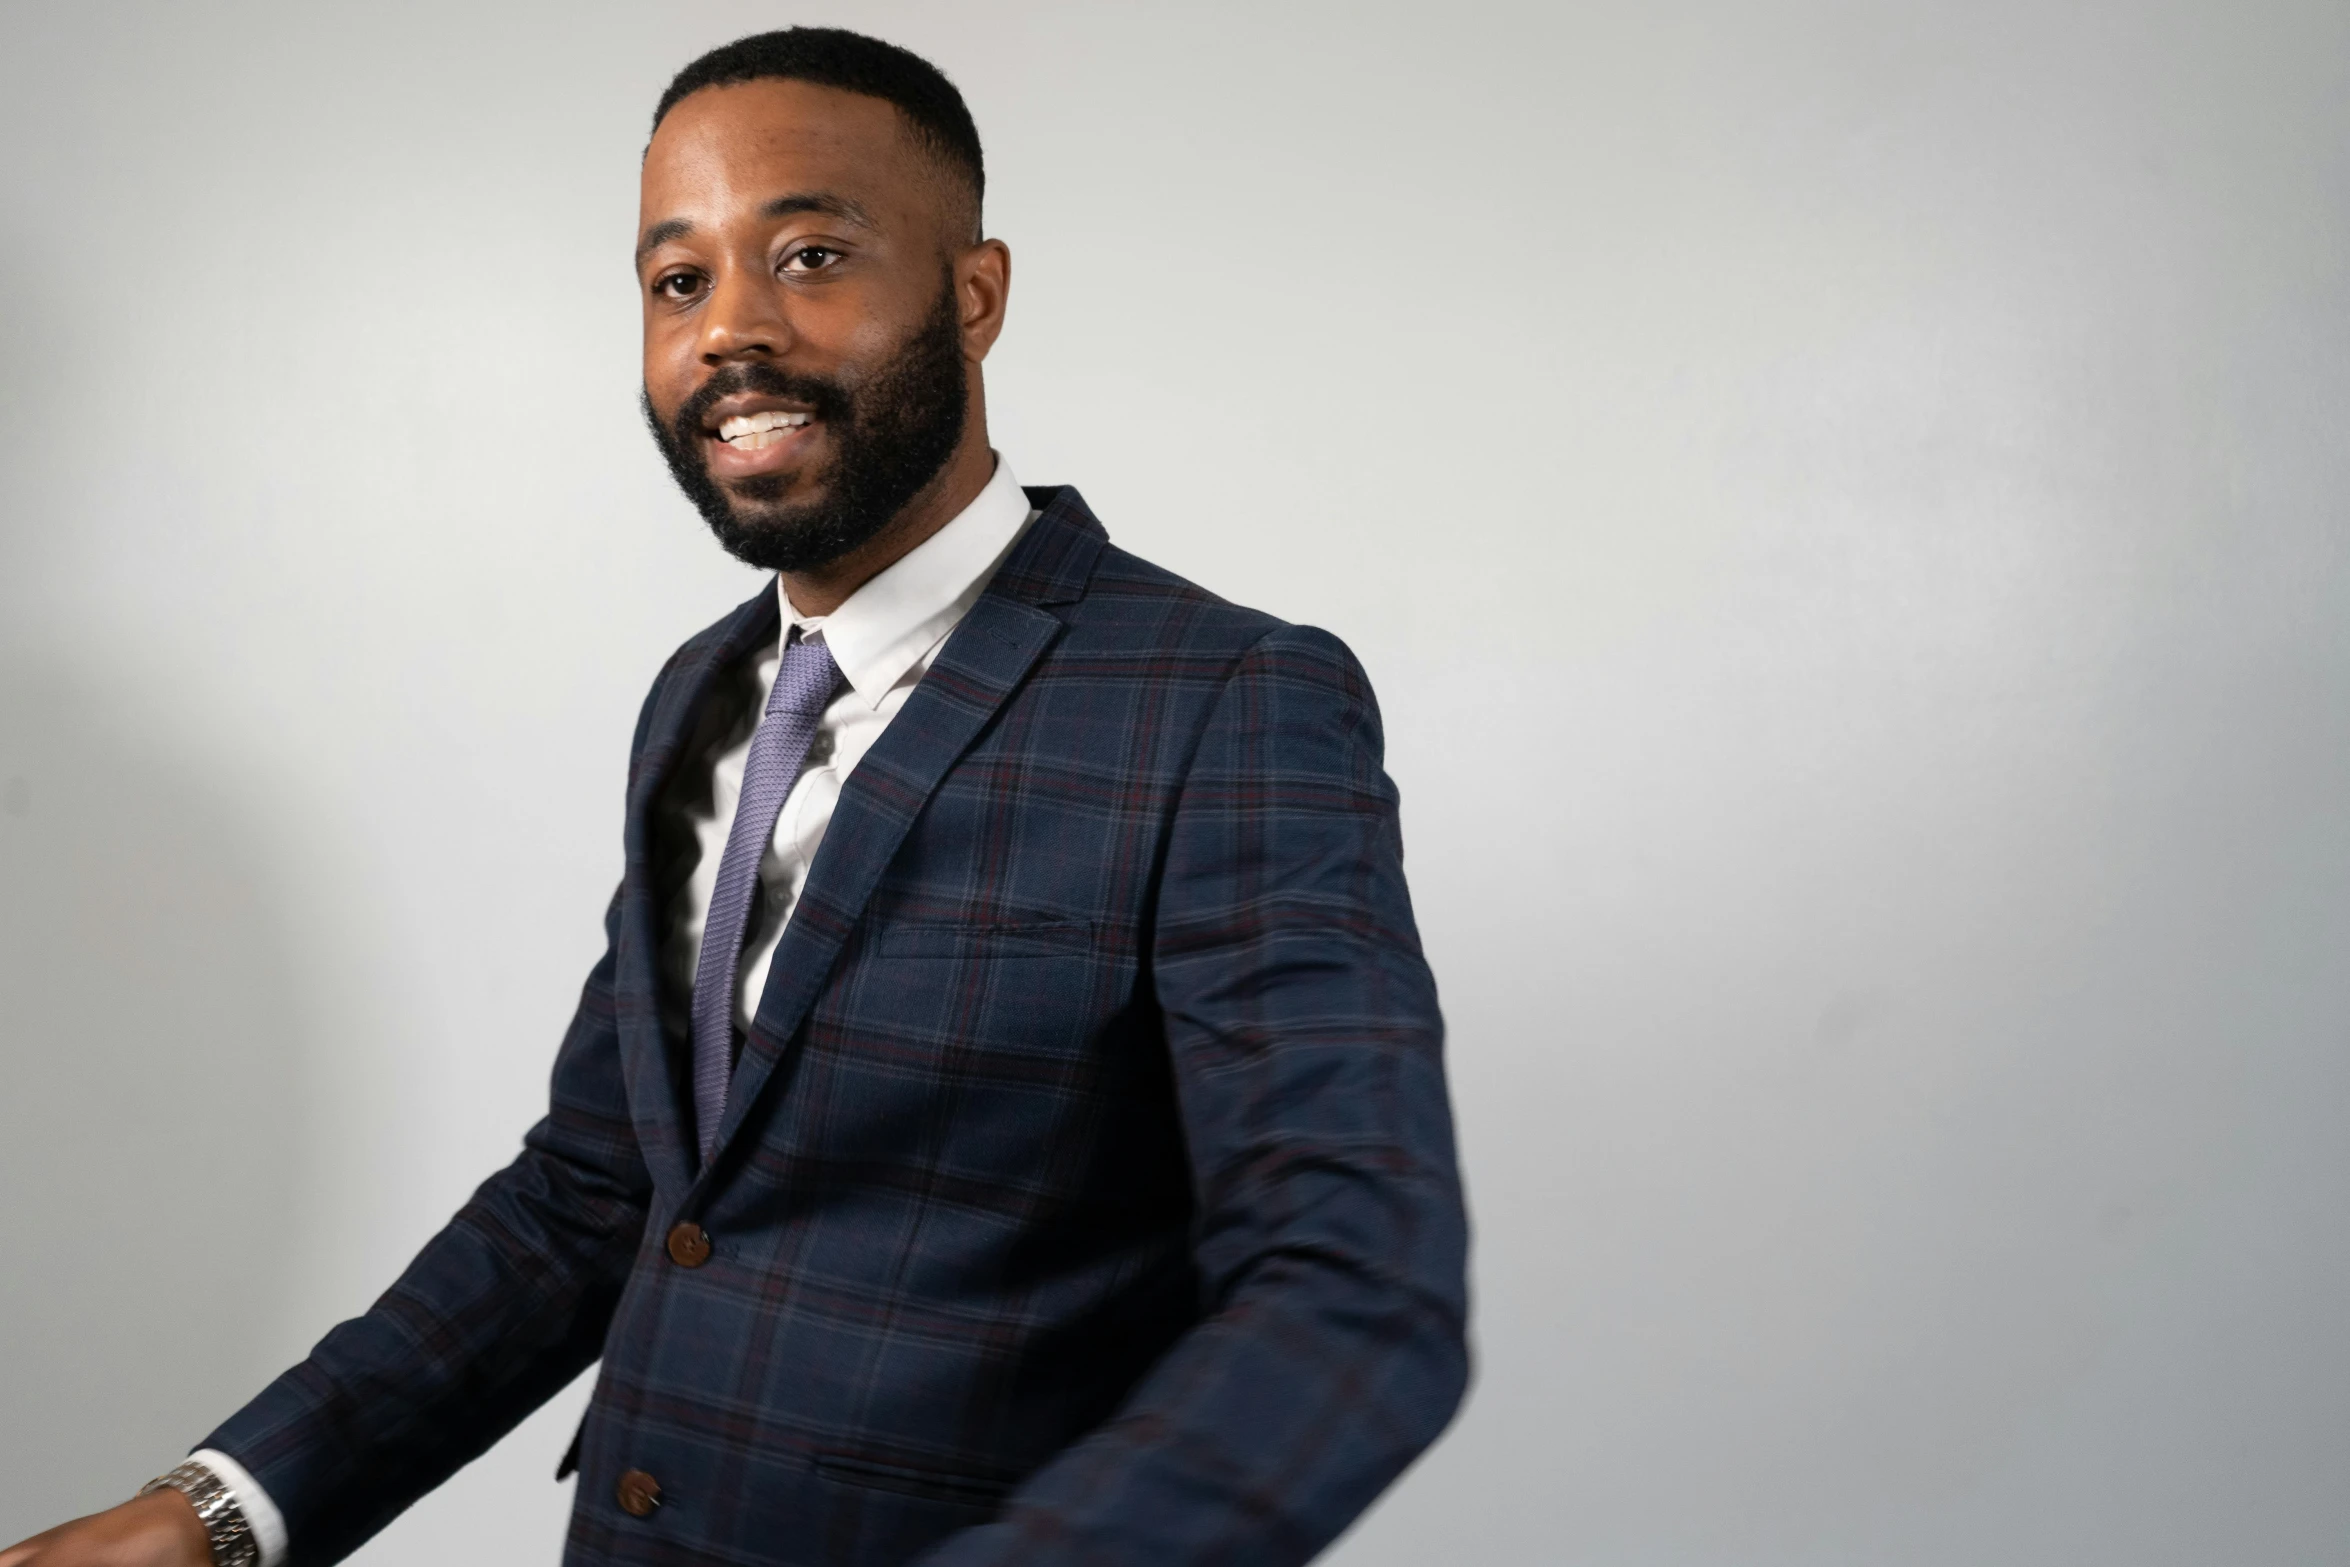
(654, 1090)
(983, 662)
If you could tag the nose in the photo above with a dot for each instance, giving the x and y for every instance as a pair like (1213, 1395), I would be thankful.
(742, 320)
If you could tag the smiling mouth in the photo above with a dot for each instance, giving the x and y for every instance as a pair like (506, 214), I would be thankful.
(757, 432)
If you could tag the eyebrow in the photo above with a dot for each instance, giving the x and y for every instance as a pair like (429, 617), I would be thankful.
(822, 201)
(661, 234)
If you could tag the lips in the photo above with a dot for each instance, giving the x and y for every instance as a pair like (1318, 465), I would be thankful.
(757, 432)
(751, 433)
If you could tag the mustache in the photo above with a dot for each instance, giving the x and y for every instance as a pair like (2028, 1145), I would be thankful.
(827, 398)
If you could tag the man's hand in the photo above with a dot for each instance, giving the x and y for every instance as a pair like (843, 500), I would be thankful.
(160, 1529)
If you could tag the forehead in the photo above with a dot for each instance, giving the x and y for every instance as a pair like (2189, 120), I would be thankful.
(749, 142)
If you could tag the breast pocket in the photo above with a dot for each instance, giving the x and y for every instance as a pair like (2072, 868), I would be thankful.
(984, 940)
(1010, 999)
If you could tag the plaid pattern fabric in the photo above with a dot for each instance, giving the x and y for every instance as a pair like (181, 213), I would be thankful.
(1086, 1190)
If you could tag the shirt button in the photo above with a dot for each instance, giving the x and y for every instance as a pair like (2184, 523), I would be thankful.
(689, 1244)
(639, 1493)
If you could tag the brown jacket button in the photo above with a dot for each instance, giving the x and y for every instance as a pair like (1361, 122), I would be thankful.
(639, 1493)
(689, 1244)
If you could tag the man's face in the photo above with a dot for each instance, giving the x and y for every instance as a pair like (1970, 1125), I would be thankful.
(806, 364)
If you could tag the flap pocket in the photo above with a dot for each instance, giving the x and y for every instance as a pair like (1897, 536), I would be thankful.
(905, 1479)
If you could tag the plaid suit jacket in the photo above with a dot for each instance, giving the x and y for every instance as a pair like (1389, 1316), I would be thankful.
(1086, 1190)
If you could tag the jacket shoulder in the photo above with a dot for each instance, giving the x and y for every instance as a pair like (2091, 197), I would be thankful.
(1115, 601)
(1131, 601)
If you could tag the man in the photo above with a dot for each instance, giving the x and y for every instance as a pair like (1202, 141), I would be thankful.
(1006, 1125)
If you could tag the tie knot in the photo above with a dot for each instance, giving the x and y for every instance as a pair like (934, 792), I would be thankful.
(805, 682)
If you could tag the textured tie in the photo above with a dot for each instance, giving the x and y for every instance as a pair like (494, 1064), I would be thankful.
(803, 687)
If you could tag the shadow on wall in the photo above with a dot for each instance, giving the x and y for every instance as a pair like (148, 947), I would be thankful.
(149, 1047)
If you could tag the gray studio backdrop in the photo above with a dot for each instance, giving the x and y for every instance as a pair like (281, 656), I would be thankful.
(1845, 508)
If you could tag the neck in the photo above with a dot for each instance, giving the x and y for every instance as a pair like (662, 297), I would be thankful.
(822, 589)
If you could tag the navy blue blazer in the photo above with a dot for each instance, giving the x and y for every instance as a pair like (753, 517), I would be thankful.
(1086, 1190)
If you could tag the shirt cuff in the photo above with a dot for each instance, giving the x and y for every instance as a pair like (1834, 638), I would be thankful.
(261, 1514)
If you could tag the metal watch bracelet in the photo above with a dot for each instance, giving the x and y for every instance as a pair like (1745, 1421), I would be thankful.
(225, 1525)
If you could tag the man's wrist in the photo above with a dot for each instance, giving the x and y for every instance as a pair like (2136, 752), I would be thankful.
(228, 1533)
(267, 1523)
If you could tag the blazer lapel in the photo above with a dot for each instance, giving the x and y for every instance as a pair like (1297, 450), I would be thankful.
(983, 662)
(655, 1107)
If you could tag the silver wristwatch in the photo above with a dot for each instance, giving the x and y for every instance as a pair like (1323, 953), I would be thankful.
(225, 1525)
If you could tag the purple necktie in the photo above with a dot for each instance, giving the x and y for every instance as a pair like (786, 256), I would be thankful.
(803, 687)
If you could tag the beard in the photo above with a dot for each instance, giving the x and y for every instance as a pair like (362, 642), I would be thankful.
(892, 429)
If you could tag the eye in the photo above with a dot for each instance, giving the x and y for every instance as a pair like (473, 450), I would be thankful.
(811, 258)
(677, 285)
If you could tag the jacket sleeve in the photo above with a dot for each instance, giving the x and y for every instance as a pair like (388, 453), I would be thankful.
(1331, 1241)
(495, 1315)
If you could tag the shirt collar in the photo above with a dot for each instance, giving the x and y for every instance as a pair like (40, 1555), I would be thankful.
(902, 612)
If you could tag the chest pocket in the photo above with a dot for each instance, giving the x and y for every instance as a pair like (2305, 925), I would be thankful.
(978, 989)
(969, 941)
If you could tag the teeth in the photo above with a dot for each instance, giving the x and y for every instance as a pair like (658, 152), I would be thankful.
(752, 431)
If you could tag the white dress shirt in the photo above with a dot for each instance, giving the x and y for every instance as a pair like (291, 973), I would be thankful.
(883, 637)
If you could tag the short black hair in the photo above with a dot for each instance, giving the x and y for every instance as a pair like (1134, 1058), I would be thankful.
(836, 57)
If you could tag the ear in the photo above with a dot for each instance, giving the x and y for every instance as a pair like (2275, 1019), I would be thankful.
(983, 286)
